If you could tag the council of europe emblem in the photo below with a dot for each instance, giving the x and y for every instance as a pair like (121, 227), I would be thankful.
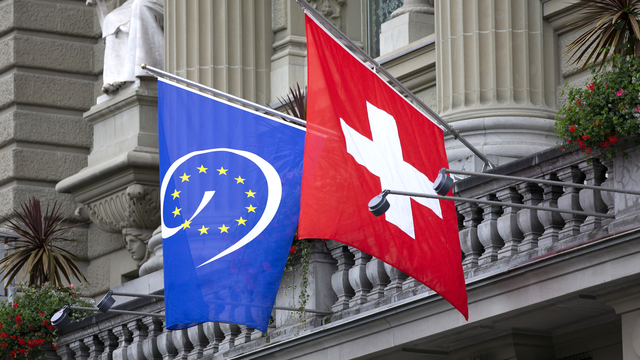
(230, 195)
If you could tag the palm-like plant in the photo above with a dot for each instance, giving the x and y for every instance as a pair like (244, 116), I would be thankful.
(613, 26)
(37, 250)
(295, 104)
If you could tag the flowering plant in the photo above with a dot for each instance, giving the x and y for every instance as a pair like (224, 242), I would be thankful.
(599, 117)
(25, 324)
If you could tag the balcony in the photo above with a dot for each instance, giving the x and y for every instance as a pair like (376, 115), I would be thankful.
(551, 277)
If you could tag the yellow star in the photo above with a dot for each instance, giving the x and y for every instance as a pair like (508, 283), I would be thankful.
(202, 169)
(185, 177)
(251, 209)
(187, 224)
(241, 221)
(176, 194)
(222, 171)
(176, 212)
(250, 194)
(223, 229)
(203, 230)
(239, 180)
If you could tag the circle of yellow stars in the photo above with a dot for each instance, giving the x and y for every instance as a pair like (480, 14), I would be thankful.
(223, 229)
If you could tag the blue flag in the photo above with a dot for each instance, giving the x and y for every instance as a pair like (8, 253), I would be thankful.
(230, 193)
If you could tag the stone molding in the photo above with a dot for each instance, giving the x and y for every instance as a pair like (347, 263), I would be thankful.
(137, 206)
(415, 6)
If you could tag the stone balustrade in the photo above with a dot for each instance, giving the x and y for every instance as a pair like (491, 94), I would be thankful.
(493, 239)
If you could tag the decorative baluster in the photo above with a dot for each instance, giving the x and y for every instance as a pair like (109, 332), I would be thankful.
(469, 241)
(528, 218)
(256, 334)
(215, 335)
(607, 196)
(150, 344)
(397, 277)
(135, 351)
(551, 221)
(80, 350)
(244, 336)
(230, 332)
(340, 279)
(410, 283)
(378, 277)
(182, 344)
(50, 352)
(198, 340)
(508, 223)
(358, 277)
(95, 347)
(488, 231)
(591, 200)
(570, 200)
(109, 343)
(65, 352)
(165, 345)
(124, 339)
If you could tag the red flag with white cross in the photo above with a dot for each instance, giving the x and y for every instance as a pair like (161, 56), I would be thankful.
(363, 137)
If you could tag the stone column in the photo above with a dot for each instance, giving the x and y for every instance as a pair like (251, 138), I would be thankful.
(469, 242)
(488, 233)
(591, 200)
(570, 200)
(626, 303)
(198, 340)
(80, 349)
(110, 342)
(396, 278)
(413, 21)
(215, 335)
(378, 277)
(95, 347)
(528, 218)
(150, 344)
(497, 69)
(225, 44)
(552, 221)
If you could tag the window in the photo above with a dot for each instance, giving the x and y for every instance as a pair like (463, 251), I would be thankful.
(378, 12)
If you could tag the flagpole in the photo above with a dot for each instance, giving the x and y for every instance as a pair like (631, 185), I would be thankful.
(456, 135)
(159, 73)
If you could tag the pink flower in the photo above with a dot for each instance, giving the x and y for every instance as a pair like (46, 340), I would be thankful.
(620, 92)
(638, 109)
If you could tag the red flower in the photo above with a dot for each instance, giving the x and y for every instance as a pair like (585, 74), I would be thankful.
(568, 141)
(0, 325)
(588, 151)
(591, 87)
(572, 128)
(13, 337)
(51, 327)
(23, 351)
(586, 137)
(578, 102)
(613, 139)
(13, 353)
(41, 314)
(45, 322)
(54, 346)
(75, 297)
(15, 305)
(4, 345)
(293, 249)
(3, 335)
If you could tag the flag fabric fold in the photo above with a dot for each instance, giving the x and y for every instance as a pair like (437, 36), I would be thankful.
(363, 137)
(230, 200)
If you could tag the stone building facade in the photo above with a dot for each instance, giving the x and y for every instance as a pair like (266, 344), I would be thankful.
(540, 287)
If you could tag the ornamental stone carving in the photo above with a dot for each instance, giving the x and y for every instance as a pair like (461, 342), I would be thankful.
(329, 8)
(136, 207)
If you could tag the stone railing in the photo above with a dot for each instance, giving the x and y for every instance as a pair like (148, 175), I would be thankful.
(345, 281)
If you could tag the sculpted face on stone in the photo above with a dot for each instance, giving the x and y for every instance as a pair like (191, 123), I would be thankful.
(135, 241)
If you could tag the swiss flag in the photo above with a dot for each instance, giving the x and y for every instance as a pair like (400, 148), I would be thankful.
(363, 137)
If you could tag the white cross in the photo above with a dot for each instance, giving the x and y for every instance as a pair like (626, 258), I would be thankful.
(383, 158)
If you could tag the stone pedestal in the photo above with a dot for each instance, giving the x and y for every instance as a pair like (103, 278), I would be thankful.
(413, 21)
(119, 189)
(497, 78)
(626, 303)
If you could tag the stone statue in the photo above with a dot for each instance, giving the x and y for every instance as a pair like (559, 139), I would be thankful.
(133, 34)
(135, 241)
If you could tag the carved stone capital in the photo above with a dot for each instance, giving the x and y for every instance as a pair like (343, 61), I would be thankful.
(330, 9)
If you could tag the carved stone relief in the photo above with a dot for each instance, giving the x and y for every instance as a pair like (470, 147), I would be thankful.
(329, 8)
